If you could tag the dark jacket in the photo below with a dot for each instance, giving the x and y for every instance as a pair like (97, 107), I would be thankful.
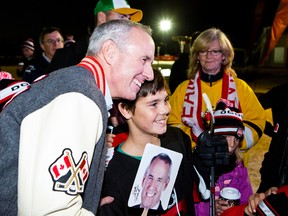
(68, 56)
(178, 71)
(271, 100)
(36, 68)
(274, 169)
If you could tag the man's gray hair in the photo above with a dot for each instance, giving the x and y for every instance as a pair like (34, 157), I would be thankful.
(115, 30)
(163, 157)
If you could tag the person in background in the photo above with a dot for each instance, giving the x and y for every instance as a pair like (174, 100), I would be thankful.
(272, 202)
(50, 40)
(274, 170)
(228, 123)
(210, 71)
(270, 99)
(28, 53)
(53, 134)
(69, 40)
(146, 117)
(104, 11)
(179, 68)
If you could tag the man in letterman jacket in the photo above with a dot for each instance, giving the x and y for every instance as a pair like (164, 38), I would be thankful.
(52, 135)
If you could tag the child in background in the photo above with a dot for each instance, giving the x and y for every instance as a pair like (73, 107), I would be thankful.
(228, 123)
(28, 53)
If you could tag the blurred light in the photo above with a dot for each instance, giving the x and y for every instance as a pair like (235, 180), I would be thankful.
(165, 25)
(166, 72)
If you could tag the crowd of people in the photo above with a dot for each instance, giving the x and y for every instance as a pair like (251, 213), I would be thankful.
(58, 158)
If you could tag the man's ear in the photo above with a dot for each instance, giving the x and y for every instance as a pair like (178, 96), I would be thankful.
(126, 113)
(101, 18)
(108, 51)
(42, 46)
(166, 183)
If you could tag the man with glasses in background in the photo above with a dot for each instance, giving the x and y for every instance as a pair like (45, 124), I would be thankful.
(50, 40)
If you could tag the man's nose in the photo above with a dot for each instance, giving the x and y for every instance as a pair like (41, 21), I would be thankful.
(148, 72)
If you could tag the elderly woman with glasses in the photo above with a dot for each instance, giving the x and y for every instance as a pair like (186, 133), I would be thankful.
(210, 71)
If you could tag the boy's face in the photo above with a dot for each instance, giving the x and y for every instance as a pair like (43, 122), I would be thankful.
(233, 143)
(151, 113)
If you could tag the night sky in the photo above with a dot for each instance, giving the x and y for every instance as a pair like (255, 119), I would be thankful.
(22, 19)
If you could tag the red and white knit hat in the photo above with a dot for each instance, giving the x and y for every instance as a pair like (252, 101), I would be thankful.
(228, 120)
(28, 44)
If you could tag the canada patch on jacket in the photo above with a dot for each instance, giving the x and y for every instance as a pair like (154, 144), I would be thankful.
(68, 176)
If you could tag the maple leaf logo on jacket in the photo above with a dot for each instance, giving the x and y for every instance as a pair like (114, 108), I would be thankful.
(68, 176)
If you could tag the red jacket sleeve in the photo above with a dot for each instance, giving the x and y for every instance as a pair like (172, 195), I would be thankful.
(235, 211)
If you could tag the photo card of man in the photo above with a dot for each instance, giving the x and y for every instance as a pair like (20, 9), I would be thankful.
(155, 178)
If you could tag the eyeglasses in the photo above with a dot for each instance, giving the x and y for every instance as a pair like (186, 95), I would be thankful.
(52, 41)
(212, 52)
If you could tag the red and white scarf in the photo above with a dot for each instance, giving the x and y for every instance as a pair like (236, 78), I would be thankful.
(92, 64)
(192, 107)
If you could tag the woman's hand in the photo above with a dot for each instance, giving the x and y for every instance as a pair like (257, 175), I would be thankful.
(272, 190)
(255, 199)
(253, 202)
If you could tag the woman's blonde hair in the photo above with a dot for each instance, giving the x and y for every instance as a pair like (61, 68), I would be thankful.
(238, 154)
(202, 43)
